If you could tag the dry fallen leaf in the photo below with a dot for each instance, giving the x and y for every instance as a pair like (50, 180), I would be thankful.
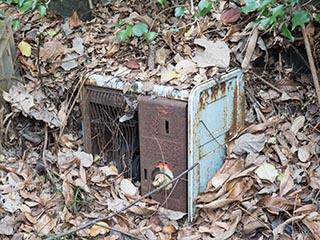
(74, 20)
(51, 50)
(215, 54)
(127, 187)
(185, 67)
(99, 228)
(230, 16)
(297, 124)
(25, 48)
(168, 76)
(304, 153)
(267, 171)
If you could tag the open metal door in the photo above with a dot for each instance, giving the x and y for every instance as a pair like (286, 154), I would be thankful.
(215, 110)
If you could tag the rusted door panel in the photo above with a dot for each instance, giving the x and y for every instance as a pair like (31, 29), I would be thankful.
(163, 138)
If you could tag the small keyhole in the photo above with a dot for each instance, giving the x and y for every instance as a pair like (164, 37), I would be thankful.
(167, 126)
(145, 174)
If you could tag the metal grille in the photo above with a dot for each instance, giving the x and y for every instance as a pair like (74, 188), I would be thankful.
(113, 140)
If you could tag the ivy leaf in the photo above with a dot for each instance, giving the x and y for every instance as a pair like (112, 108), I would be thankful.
(179, 11)
(15, 24)
(278, 11)
(20, 3)
(317, 18)
(299, 18)
(139, 29)
(251, 6)
(285, 32)
(150, 36)
(266, 22)
(26, 6)
(42, 10)
(162, 2)
(123, 35)
(204, 7)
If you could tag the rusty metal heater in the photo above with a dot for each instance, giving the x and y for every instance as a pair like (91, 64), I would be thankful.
(154, 136)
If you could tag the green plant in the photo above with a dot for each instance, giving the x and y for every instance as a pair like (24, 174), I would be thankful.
(139, 29)
(284, 15)
(25, 5)
(77, 200)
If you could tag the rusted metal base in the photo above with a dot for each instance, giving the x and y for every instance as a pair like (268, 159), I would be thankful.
(163, 138)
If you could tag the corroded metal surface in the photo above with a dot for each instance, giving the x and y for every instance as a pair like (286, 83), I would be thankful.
(163, 138)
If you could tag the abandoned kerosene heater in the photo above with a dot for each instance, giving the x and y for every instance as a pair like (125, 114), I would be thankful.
(155, 136)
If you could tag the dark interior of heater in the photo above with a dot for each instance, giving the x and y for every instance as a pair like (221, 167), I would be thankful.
(114, 129)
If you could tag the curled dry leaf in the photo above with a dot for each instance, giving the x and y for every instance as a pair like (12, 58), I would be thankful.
(230, 16)
(74, 20)
(169, 229)
(297, 124)
(6, 225)
(86, 159)
(99, 228)
(304, 153)
(275, 204)
(216, 204)
(45, 224)
(286, 183)
(127, 187)
(237, 188)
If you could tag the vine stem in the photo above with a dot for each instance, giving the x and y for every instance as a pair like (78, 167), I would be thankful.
(311, 62)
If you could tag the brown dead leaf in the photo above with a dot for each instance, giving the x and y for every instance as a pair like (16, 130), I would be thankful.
(185, 67)
(287, 85)
(113, 49)
(230, 16)
(74, 20)
(99, 228)
(67, 193)
(250, 49)
(45, 224)
(167, 37)
(297, 124)
(275, 204)
(237, 188)
(216, 204)
(286, 183)
(306, 209)
(314, 227)
(133, 64)
(51, 50)
(304, 153)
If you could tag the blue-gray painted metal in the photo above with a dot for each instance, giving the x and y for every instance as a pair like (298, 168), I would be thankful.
(210, 113)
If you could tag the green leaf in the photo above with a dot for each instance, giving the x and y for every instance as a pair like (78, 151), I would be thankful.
(266, 22)
(265, 3)
(34, 4)
(299, 18)
(139, 29)
(278, 11)
(285, 32)
(26, 6)
(20, 3)
(204, 7)
(42, 10)
(317, 18)
(123, 35)
(15, 24)
(179, 11)
(162, 2)
(251, 6)
(150, 36)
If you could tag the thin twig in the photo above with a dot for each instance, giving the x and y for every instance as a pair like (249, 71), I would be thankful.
(266, 82)
(90, 223)
(64, 123)
(311, 62)
(45, 163)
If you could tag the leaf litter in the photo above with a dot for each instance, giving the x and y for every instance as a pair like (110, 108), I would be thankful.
(267, 188)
